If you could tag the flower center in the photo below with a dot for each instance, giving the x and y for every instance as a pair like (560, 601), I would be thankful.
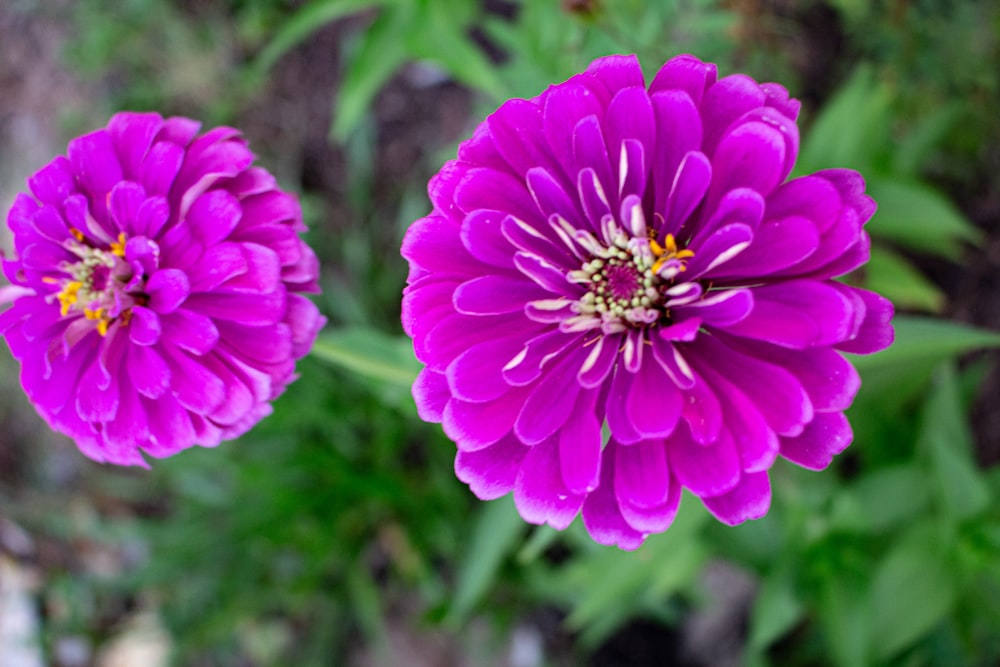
(96, 283)
(627, 282)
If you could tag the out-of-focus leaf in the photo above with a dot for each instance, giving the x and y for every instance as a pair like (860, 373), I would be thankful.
(926, 341)
(895, 278)
(382, 51)
(918, 217)
(913, 589)
(369, 353)
(846, 620)
(306, 21)
(610, 585)
(364, 595)
(916, 147)
(776, 610)
(851, 129)
(883, 499)
(496, 535)
(946, 437)
(443, 39)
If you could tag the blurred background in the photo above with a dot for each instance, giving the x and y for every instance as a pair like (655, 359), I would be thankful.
(335, 532)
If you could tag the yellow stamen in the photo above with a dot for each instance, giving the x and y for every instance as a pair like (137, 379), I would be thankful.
(118, 247)
(67, 296)
(102, 327)
(668, 251)
(77, 234)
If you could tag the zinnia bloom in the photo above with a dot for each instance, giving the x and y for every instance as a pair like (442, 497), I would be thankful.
(618, 295)
(157, 286)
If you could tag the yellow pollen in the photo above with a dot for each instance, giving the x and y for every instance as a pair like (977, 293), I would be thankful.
(77, 234)
(668, 251)
(67, 296)
(118, 247)
(102, 327)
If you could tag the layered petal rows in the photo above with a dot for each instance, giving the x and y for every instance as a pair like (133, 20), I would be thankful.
(619, 294)
(157, 289)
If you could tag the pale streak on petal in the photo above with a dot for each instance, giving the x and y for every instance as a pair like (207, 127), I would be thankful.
(622, 169)
(579, 323)
(724, 257)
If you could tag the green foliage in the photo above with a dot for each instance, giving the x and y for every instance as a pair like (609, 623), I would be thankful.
(305, 538)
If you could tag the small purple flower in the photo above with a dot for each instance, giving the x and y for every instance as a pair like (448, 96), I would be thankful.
(156, 286)
(618, 294)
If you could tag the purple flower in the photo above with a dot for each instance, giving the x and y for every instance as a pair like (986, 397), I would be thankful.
(156, 285)
(618, 294)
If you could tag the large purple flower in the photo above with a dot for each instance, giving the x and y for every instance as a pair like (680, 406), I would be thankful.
(618, 294)
(156, 284)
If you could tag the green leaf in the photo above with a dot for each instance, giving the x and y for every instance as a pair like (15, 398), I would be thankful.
(306, 21)
(379, 54)
(926, 341)
(850, 130)
(918, 217)
(913, 589)
(776, 610)
(442, 38)
(918, 144)
(946, 437)
(497, 532)
(846, 620)
(369, 353)
(883, 499)
(895, 278)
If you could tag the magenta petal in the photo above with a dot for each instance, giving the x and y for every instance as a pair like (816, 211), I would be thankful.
(702, 412)
(170, 426)
(482, 235)
(249, 309)
(491, 472)
(132, 134)
(876, 332)
(190, 331)
(193, 385)
(477, 374)
(785, 405)
(550, 403)
(654, 402)
(495, 295)
(213, 216)
(434, 244)
(474, 426)
(653, 519)
(94, 403)
(94, 160)
(708, 470)
(126, 199)
(617, 407)
(144, 326)
(53, 182)
(827, 435)
(750, 499)
(167, 289)
(580, 446)
(219, 264)
(777, 245)
(641, 474)
(601, 514)
(154, 378)
(431, 394)
(685, 73)
(798, 314)
(539, 492)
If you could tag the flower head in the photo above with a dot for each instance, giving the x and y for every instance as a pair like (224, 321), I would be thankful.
(619, 294)
(156, 289)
